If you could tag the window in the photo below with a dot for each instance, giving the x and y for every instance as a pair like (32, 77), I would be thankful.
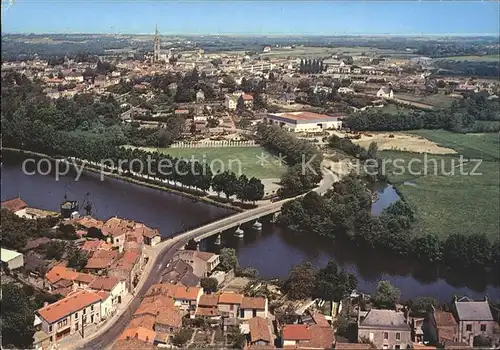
(50, 329)
(231, 307)
(84, 311)
(254, 314)
(386, 335)
(483, 328)
(397, 347)
(76, 326)
(76, 314)
(92, 308)
(398, 336)
(468, 328)
(92, 319)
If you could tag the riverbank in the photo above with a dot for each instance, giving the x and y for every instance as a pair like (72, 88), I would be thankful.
(153, 184)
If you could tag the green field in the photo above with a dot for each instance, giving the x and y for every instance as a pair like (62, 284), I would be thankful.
(394, 109)
(437, 100)
(486, 58)
(231, 158)
(453, 203)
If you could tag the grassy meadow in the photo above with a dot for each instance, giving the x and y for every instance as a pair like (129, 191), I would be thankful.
(231, 158)
(485, 58)
(437, 100)
(463, 202)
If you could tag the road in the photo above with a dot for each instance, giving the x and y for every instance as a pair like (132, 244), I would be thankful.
(169, 247)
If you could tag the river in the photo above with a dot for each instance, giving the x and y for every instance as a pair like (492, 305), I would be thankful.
(274, 251)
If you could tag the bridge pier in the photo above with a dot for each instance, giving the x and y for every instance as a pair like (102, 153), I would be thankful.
(218, 240)
(257, 225)
(239, 232)
(275, 217)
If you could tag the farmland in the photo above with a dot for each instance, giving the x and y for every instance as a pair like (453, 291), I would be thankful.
(485, 58)
(450, 198)
(240, 160)
(436, 100)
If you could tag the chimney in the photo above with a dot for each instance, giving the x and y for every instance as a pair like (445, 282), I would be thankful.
(45, 303)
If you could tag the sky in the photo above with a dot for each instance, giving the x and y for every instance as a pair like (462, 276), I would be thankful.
(409, 17)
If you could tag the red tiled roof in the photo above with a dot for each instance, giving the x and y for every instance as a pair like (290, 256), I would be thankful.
(186, 293)
(69, 305)
(247, 97)
(101, 259)
(322, 337)
(208, 300)
(297, 332)
(207, 311)
(59, 272)
(444, 318)
(85, 278)
(92, 246)
(253, 303)
(259, 329)
(141, 333)
(170, 317)
(88, 222)
(104, 283)
(144, 321)
(230, 298)
(320, 319)
(14, 204)
(153, 305)
(103, 295)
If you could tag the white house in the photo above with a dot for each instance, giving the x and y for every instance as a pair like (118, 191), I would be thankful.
(385, 92)
(13, 259)
(345, 90)
(231, 102)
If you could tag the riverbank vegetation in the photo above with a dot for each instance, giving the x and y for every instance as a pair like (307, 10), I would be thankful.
(344, 213)
(302, 157)
(328, 283)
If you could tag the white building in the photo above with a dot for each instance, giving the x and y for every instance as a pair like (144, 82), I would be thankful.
(13, 259)
(303, 121)
(385, 92)
(345, 90)
(231, 102)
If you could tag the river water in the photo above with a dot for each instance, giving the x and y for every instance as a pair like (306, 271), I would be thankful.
(274, 251)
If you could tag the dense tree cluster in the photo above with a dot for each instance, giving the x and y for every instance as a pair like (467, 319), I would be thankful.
(329, 283)
(89, 130)
(344, 213)
(17, 318)
(15, 230)
(302, 157)
(244, 188)
(313, 66)
(464, 116)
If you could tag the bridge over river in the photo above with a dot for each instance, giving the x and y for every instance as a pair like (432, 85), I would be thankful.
(215, 228)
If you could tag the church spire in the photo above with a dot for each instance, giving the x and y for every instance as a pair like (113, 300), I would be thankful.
(156, 46)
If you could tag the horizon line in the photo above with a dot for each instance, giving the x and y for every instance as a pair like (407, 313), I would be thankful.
(264, 34)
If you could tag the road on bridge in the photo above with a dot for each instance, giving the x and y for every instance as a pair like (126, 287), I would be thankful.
(166, 251)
